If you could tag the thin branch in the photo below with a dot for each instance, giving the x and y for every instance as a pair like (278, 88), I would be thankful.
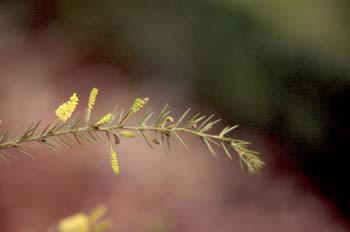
(154, 132)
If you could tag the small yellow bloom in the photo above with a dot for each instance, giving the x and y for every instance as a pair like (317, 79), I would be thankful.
(92, 98)
(65, 111)
(104, 119)
(169, 119)
(114, 162)
(127, 134)
(76, 223)
(138, 104)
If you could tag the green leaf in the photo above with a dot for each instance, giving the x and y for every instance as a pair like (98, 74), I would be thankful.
(181, 141)
(4, 158)
(209, 126)
(4, 136)
(144, 136)
(64, 142)
(19, 148)
(205, 122)
(182, 117)
(226, 150)
(165, 112)
(45, 129)
(208, 145)
(145, 118)
(76, 138)
(100, 137)
(115, 114)
(121, 116)
(161, 143)
(91, 135)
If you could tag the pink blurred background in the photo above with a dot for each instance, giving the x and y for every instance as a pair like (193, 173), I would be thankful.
(182, 191)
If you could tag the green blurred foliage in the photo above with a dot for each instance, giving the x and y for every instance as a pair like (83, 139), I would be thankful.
(262, 61)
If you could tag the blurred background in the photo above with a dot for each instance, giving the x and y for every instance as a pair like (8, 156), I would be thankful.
(280, 69)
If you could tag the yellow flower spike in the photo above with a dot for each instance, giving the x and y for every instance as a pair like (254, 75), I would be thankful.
(138, 104)
(97, 213)
(76, 223)
(104, 119)
(127, 134)
(65, 110)
(114, 161)
(92, 98)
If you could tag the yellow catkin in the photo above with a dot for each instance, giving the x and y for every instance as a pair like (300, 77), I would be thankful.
(128, 134)
(114, 162)
(97, 213)
(65, 111)
(104, 119)
(92, 98)
(138, 104)
(76, 223)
